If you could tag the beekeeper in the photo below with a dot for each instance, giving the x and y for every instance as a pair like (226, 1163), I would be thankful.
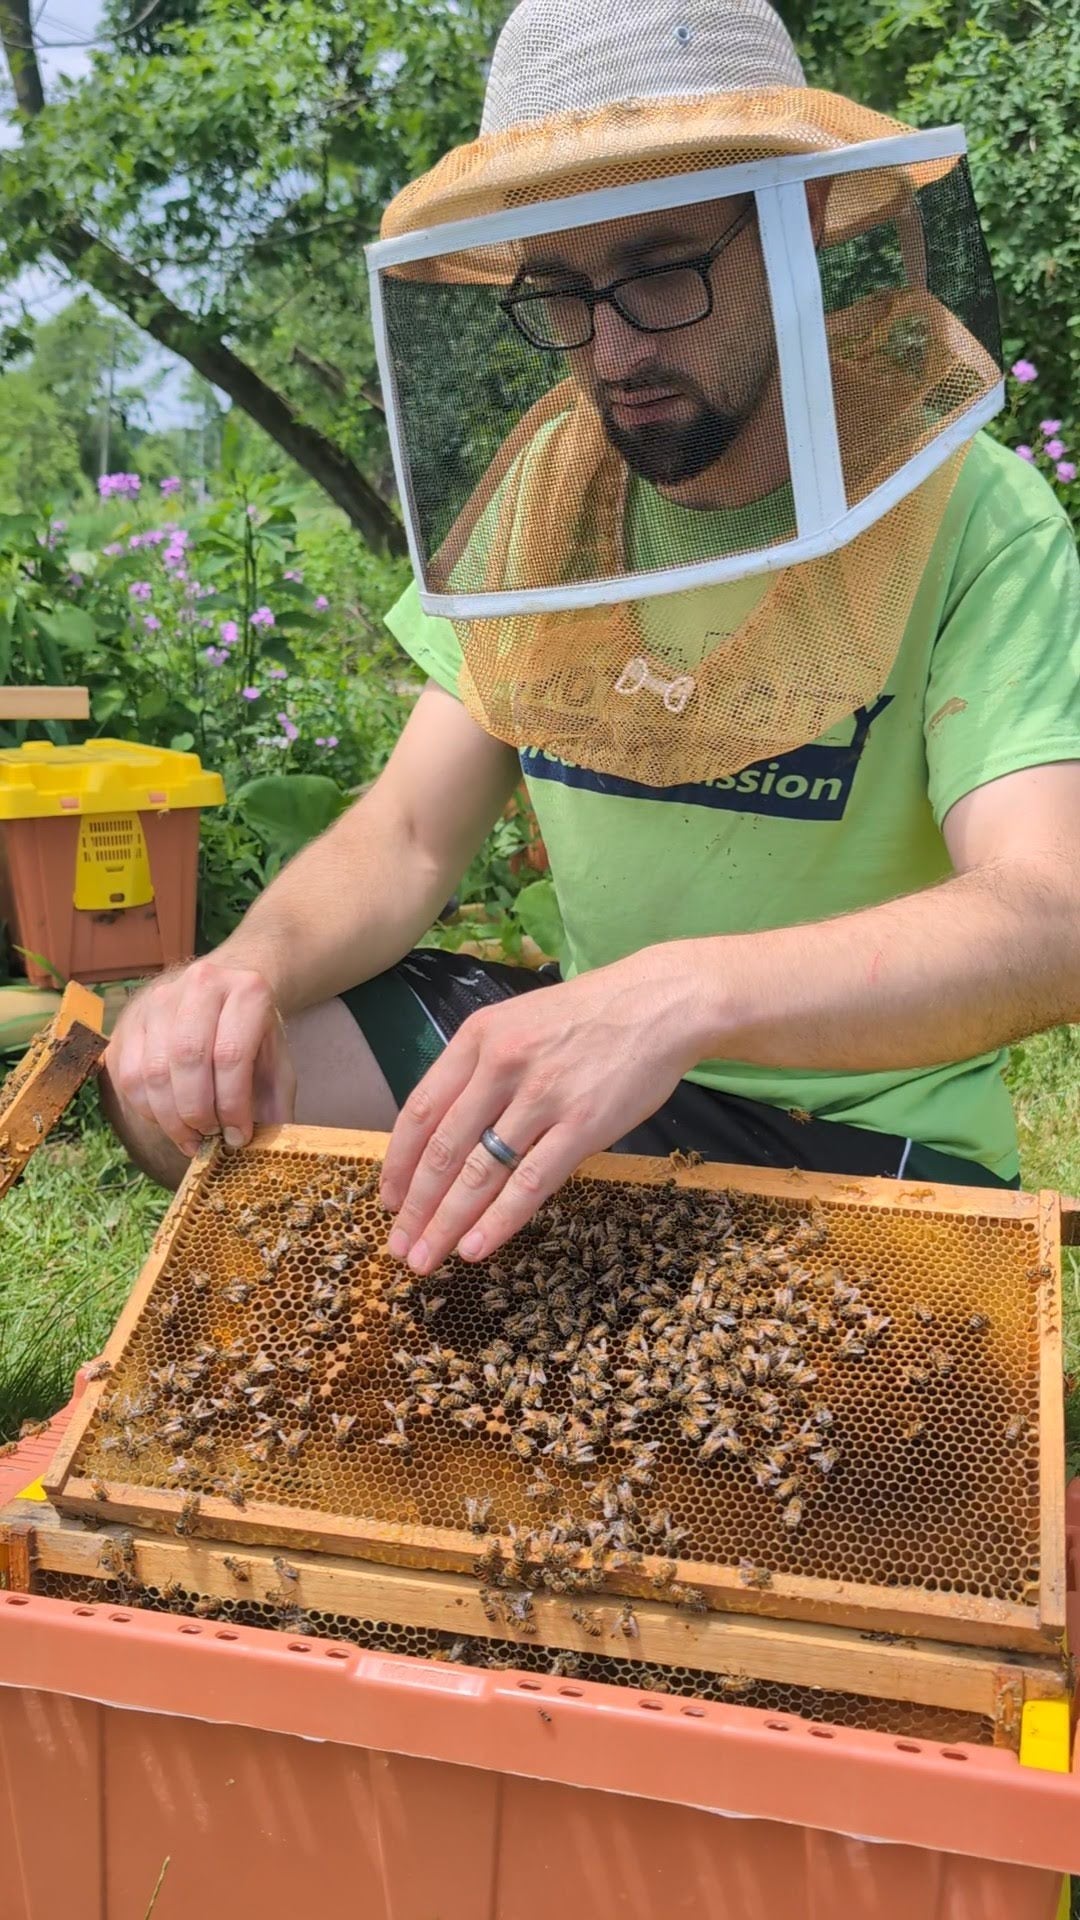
(685, 365)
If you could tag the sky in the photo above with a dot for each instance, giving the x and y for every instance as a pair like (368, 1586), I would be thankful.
(62, 33)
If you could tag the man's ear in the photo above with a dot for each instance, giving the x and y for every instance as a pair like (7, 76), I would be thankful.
(817, 196)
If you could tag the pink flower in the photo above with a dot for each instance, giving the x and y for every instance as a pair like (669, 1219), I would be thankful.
(135, 541)
(326, 740)
(290, 731)
(279, 673)
(1047, 427)
(217, 656)
(112, 549)
(251, 693)
(172, 485)
(140, 590)
(1054, 449)
(125, 484)
(230, 633)
(1024, 371)
(1066, 471)
(292, 574)
(1025, 453)
(321, 602)
(262, 617)
(152, 623)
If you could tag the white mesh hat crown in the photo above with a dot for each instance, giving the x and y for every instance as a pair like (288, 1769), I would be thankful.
(575, 55)
(669, 589)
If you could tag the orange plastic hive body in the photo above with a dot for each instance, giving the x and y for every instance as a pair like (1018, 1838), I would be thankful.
(942, 1515)
(54, 1067)
(285, 1777)
(37, 878)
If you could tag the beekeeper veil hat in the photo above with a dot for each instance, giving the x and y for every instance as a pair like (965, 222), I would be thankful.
(680, 357)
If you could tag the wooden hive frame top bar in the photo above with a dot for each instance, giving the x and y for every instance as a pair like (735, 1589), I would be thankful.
(35, 1093)
(1015, 1236)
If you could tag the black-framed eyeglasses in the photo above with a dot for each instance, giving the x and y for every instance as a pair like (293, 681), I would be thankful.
(654, 299)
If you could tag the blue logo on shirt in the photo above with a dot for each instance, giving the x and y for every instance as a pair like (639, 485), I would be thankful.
(814, 783)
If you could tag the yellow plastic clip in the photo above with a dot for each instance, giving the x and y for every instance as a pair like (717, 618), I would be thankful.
(1045, 1742)
(112, 866)
(35, 1491)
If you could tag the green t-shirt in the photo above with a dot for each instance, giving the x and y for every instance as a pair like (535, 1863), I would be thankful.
(986, 682)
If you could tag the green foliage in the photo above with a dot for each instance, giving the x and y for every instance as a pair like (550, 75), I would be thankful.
(537, 908)
(289, 809)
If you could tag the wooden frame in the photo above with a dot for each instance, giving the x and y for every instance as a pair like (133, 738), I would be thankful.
(960, 1618)
(48, 1077)
(36, 1539)
(44, 703)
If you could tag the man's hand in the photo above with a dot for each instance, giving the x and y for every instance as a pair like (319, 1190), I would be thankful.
(559, 1074)
(202, 1051)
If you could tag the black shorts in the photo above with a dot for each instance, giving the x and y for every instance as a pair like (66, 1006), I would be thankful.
(408, 1015)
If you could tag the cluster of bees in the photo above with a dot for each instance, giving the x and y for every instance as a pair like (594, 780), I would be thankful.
(624, 1341)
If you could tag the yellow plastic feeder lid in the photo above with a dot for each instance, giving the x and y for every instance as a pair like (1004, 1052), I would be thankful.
(104, 776)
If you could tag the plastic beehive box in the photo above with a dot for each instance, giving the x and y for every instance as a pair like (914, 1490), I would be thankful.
(271, 1372)
(99, 856)
(279, 1774)
(58, 1061)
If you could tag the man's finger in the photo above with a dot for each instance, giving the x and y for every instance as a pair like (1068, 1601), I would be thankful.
(274, 1085)
(247, 1016)
(453, 1157)
(190, 1042)
(421, 1114)
(543, 1170)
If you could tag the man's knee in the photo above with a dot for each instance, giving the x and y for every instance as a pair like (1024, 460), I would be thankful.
(145, 1145)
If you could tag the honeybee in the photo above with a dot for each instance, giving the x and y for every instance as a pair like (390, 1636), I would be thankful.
(626, 1621)
(1016, 1429)
(825, 1460)
(914, 1429)
(236, 1291)
(98, 1369)
(518, 1611)
(293, 1442)
(922, 1312)
(189, 1513)
(397, 1442)
(793, 1514)
(232, 1490)
(341, 1423)
(477, 1513)
(286, 1574)
(168, 1309)
(752, 1576)
(99, 1490)
(916, 1376)
(940, 1360)
(978, 1322)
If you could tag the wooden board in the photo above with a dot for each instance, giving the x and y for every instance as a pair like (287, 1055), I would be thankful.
(1036, 1623)
(881, 1667)
(46, 1080)
(44, 703)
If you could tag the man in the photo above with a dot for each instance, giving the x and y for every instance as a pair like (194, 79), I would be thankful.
(787, 652)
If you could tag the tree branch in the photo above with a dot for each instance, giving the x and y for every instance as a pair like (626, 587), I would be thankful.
(137, 295)
(120, 281)
(334, 380)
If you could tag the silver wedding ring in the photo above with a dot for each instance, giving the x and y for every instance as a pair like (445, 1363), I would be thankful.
(499, 1150)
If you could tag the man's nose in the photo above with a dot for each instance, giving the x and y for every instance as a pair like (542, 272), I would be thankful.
(618, 349)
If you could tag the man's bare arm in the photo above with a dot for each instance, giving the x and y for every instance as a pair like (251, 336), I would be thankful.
(989, 956)
(201, 1049)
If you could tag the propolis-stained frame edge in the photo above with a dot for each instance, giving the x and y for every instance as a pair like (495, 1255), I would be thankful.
(927, 1673)
(1052, 1546)
(964, 1618)
(37, 1090)
(55, 1477)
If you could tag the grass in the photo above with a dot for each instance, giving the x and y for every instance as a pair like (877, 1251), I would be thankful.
(75, 1231)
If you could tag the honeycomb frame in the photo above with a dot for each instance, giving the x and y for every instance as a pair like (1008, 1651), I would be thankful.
(962, 1239)
(44, 1082)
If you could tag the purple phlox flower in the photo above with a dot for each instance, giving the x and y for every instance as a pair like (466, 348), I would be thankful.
(75, 580)
(155, 536)
(140, 590)
(152, 623)
(1047, 427)
(172, 485)
(125, 485)
(251, 693)
(136, 541)
(1066, 471)
(1025, 453)
(112, 549)
(206, 621)
(58, 526)
(326, 740)
(193, 589)
(262, 617)
(1054, 449)
(253, 513)
(279, 673)
(230, 633)
(217, 656)
(1025, 371)
(321, 602)
(291, 573)
(288, 727)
